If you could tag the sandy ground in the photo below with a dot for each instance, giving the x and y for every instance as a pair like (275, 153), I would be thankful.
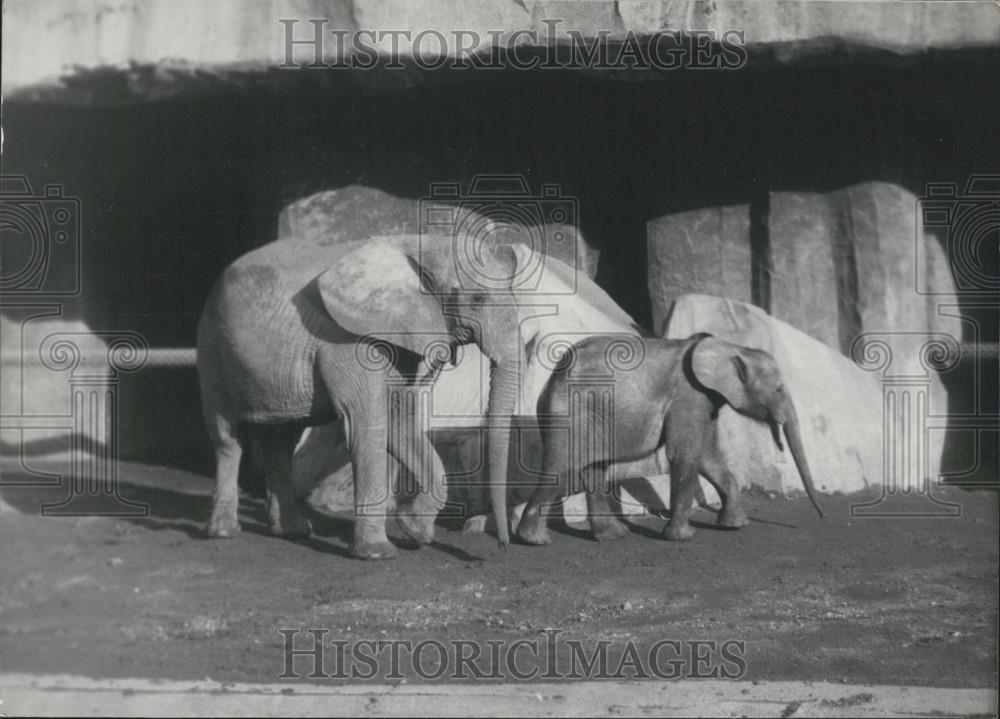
(841, 600)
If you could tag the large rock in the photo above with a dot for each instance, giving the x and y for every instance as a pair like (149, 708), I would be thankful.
(354, 212)
(147, 49)
(842, 263)
(349, 213)
(847, 266)
(850, 261)
(705, 250)
(39, 359)
(839, 405)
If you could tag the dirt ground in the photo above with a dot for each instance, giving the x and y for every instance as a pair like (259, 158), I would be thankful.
(883, 601)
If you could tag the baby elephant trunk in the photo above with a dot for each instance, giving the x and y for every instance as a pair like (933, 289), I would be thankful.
(794, 438)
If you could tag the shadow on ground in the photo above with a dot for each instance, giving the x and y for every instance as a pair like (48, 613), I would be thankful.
(887, 601)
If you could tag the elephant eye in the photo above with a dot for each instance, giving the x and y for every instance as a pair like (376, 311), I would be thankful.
(478, 298)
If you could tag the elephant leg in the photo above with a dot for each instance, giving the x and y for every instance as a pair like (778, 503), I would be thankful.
(371, 501)
(411, 446)
(359, 395)
(374, 470)
(604, 525)
(224, 522)
(418, 517)
(714, 468)
(683, 484)
(283, 515)
(532, 527)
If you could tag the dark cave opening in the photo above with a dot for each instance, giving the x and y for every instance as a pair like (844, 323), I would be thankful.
(173, 190)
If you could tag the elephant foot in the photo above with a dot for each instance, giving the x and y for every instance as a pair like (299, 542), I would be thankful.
(295, 528)
(607, 529)
(733, 518)
(678, 533)
(223, 526)
(532, 530)
(419, 528)
(373, 551)
(286, 521)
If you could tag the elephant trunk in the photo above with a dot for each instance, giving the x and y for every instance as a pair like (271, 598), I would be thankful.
(504, 386)
(794, 437)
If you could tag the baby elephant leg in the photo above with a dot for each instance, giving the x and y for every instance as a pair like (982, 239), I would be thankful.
(604, 525)
(731, 515)
(533, 527)
(683, 485)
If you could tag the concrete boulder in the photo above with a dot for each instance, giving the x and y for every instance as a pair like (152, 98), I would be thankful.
(356, 211)
(851, 261)
(705, 250)
(349, 213)
(839, 264)
(40, 357)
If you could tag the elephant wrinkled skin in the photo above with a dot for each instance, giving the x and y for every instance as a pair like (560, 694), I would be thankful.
(670, 397)
(302, 332)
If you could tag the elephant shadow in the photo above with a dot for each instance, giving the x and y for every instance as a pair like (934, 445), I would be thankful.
(645, 494)
(146, 503)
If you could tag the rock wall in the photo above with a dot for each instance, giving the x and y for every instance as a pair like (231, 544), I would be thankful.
(837, 264)
(78, 51)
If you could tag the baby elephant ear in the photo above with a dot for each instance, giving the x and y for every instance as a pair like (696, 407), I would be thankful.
(376, 290)
(718, 365)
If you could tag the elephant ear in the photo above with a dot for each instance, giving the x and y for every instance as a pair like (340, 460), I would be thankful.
(718, 365)
(377, 290)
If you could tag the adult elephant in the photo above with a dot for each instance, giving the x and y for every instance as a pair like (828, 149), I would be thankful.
(287, 338)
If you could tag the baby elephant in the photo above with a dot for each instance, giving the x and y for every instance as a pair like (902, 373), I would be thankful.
(672, 397)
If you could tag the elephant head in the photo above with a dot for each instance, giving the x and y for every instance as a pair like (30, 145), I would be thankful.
(751, 382)
(415, 291)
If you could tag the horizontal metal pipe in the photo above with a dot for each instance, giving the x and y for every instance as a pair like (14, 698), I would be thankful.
(155, 357)
(167, 357)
